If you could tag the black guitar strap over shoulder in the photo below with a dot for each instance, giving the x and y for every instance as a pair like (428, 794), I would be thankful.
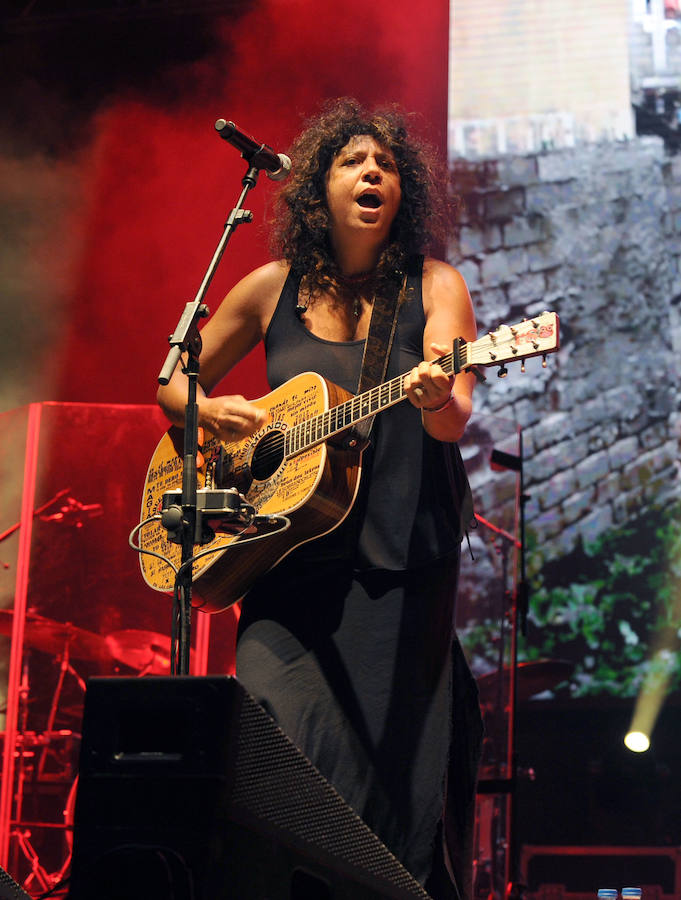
(380, 340)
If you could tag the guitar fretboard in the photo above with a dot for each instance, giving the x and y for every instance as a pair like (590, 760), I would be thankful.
(531, 337)
(319, 428)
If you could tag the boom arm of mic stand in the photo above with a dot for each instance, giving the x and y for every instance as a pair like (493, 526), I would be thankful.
(186, 339)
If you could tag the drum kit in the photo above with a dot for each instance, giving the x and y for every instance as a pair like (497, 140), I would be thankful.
(46, 760)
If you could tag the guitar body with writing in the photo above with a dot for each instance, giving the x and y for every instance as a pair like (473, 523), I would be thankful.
(302, 464)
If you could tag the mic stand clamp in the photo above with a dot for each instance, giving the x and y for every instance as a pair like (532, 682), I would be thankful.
(187, 339)
(226, 504)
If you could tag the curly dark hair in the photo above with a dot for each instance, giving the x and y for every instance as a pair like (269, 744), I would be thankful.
(300, 226)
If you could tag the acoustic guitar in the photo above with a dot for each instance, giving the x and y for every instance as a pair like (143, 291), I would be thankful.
(303, 464)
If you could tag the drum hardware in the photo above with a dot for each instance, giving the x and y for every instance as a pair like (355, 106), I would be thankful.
(29, 749)
(145, 651)
(492, 863)
(65, 668)
(63, 641)
(22, 828)
(18, 831)
(499, 689)
(533, 677)
(36, 512)
(74, 513)
(498, 777)
(54, 638)
(495, 876)
(69, 808)
(38, 873)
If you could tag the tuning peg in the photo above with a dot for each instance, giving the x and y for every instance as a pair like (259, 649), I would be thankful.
(502, 372)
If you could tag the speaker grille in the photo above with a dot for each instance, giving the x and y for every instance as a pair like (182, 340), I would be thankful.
(9, 889)
(276, 783)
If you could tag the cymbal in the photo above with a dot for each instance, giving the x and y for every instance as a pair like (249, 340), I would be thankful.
(53, 637)
(532, 678)
(146, 651)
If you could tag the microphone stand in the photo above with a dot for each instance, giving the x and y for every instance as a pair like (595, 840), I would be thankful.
(514, 889)
(187, 339)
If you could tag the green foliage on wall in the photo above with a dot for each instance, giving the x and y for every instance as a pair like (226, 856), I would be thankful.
(613, 608)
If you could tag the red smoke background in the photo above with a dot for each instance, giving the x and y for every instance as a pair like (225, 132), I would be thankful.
(158, 182)
(114, 191)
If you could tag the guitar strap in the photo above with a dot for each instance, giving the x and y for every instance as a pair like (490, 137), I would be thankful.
(378, 345)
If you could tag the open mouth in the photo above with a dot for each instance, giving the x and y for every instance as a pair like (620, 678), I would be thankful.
(369, 201)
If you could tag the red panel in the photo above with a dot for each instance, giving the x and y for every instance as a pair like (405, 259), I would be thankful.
(88, 611)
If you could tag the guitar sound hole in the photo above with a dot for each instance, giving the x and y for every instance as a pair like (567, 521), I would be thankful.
(268, 456)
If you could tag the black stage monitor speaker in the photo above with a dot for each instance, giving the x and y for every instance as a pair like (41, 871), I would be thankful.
(189, 791)
(9, 889)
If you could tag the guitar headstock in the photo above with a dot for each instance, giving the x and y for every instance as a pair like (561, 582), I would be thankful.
(537, 336)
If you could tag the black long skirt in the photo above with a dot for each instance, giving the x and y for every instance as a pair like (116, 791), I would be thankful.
(356, 668)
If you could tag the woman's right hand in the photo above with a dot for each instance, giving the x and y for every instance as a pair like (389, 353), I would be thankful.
(230, 417)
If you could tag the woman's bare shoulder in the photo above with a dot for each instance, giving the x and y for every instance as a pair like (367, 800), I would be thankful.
(441, 274)
(252, 301)
(263, 282)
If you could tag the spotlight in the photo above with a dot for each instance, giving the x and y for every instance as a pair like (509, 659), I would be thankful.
(637, 741)
(659, 670)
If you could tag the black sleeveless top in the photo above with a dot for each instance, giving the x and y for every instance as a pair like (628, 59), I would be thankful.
(413, 491)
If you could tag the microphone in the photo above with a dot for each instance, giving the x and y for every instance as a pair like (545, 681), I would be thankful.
(277, 165)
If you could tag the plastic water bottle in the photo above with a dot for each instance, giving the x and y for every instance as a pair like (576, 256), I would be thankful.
(607, 894)
(631, 893)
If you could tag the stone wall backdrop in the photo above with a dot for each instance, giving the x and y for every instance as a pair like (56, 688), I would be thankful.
(594, 234)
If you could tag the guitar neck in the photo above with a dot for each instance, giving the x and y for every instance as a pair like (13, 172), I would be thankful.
(509, 343)
(362, 406)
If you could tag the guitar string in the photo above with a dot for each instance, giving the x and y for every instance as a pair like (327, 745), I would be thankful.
(305, 435)
(318, 428)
